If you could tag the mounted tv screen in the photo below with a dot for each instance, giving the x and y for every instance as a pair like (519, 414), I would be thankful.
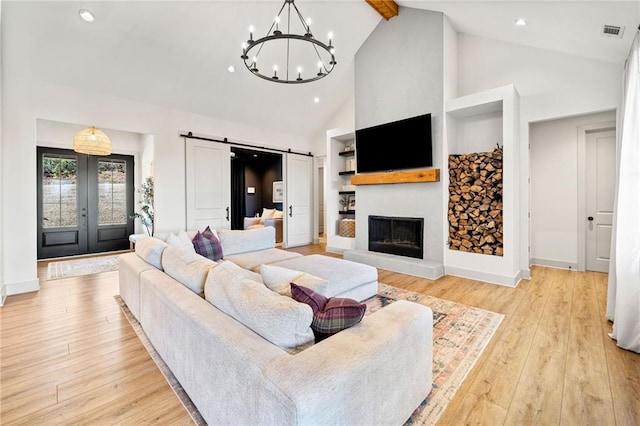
(403, 144)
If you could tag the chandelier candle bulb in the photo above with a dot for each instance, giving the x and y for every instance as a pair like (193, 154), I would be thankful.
(277, 31)
(250, 34)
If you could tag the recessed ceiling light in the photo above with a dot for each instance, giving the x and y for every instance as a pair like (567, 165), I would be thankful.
(231, 68)
(316, 99)
(520, 22)
(86, 15)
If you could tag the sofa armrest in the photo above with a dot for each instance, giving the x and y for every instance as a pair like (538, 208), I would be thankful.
(376, 372)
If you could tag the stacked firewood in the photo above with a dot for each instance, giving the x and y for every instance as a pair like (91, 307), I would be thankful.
(475, 202)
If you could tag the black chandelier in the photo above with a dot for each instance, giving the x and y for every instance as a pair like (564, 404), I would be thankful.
(313, 59)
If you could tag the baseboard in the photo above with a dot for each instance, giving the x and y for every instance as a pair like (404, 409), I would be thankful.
(337, 250)
(3, 295)
(483, 276)
(573, 266)
(23, 287)
(525, 274)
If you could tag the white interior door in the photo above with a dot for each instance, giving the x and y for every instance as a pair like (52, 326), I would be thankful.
(600, 188)
(208, 181)
(299, 200)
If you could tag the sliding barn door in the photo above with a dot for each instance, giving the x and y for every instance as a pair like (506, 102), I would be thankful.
(208, 181)
(299, 200)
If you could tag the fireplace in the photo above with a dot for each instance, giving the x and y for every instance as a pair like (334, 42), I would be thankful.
(401, 236)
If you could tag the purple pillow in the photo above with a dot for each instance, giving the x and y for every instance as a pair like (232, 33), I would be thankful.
(209, 233)
(330, 315)
(207, 246)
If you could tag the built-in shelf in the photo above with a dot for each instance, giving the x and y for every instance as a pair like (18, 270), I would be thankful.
(346, 192)
(350, 152)
(424, 175)
(346, 212)
(347, 172)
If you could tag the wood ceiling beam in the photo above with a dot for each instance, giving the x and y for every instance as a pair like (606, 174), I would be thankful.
(386, 8)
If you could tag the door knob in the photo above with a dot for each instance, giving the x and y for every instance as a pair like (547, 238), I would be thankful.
(590, 218)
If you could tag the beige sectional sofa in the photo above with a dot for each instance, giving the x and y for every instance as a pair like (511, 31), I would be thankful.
(221, 348)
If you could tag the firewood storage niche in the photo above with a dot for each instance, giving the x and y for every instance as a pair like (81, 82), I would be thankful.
(475, 202)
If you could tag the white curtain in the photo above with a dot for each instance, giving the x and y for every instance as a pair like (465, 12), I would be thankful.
(623, 301)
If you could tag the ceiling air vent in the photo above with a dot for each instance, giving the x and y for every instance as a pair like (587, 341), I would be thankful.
(612, 31)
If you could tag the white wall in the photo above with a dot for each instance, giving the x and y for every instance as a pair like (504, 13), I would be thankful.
(554, 188)
(392, 84)
(2, 287)
(343, 118)
(26, 100)
(551, 85)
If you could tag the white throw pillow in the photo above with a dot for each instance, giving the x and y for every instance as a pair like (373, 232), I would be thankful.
(267, 213)
(281, 320)
(279, 279)
(278, 214)
(181, 240)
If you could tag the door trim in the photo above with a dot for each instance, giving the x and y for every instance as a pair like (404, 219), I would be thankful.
(582, 185)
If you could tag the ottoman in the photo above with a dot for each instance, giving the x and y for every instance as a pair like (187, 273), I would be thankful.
(345, 278)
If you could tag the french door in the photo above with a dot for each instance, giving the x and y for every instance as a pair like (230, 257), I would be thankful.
(85, 202)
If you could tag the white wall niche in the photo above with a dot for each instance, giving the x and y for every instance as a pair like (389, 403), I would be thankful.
(477, 123)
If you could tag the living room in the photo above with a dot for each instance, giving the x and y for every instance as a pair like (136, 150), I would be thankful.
(553, 85)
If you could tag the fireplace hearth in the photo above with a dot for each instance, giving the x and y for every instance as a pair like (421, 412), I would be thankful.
(402, 236)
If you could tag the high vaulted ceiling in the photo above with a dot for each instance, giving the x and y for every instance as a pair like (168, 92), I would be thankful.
(176, 53)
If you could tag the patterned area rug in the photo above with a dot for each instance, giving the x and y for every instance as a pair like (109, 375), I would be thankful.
(77, 267)
(460, 334)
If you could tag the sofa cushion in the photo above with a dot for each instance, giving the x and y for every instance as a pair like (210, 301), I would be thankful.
(279, 319)
(150, 250)
(181, 240)
(242, 241)
(186, 267)
(254, 259)
(341, 274)
(207, 246)
(330, 315)
(279, 279)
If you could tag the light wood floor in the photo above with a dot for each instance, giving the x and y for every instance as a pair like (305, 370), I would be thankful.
(68, 356)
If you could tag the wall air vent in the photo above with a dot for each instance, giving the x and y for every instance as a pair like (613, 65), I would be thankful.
(612, 31)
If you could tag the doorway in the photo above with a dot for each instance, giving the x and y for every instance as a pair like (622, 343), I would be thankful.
(84, 202)
(253, 173)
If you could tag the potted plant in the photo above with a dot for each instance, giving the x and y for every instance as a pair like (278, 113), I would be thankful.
(146, 202)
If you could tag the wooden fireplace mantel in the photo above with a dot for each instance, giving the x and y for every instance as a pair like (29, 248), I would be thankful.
(411, 176)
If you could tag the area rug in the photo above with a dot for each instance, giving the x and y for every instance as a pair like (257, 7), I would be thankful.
(77, 267)
(460, 334)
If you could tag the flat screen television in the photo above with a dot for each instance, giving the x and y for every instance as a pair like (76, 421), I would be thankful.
(399, 145)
